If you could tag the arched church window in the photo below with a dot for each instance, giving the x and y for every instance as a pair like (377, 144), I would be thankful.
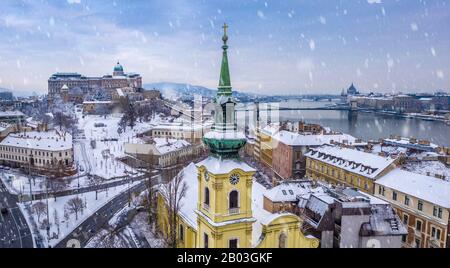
(234, 196)
(207, 196)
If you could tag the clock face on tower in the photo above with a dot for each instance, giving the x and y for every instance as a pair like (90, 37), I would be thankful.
(234, 179)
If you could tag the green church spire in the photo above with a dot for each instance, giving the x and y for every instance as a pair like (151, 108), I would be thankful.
(224, 139)
(224, 82)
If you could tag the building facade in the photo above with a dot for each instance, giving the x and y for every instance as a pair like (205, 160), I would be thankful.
(42, 152)
(163, 153)
(289, 148)
(422, 203)
(349, 167)
(188, 131)
(119, 79)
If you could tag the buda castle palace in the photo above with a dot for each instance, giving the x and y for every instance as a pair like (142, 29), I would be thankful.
(71, 81)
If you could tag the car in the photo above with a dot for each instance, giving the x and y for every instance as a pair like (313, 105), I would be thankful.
(4, 210)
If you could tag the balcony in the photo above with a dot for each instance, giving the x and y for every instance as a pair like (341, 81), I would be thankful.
(233, 211)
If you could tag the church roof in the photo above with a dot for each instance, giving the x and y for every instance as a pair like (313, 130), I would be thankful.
(224, 81)
(224, 166)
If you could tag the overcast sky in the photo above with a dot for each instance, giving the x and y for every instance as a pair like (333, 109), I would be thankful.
(284, 47)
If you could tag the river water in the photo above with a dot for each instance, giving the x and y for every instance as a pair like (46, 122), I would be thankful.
(364, 125)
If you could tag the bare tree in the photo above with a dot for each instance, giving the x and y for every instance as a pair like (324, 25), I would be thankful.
(63, 121)
(75, 205)
(176, 191)
(129, 116)
(95, 181)
(149, 201)
(66, 217)
(39, 209)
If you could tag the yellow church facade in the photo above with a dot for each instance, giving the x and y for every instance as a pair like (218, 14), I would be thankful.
(220, 224)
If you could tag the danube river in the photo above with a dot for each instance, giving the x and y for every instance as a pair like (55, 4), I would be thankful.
(365, 125)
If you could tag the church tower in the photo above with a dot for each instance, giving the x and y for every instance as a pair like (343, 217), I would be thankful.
(224, 205)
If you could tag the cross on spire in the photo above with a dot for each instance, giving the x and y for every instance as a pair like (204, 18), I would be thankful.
(225, 27)
(225, 36)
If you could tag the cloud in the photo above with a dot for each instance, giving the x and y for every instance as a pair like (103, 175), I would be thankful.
(374, 1)
(74, 1)
(180, 41)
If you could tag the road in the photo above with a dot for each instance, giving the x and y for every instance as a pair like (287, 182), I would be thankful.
(14, 230)
(89, 228)
(89, 188)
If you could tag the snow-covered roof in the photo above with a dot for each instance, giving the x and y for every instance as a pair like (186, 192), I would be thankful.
(97, 102)
(262, 216)
(224, 166)
(50, 140)
(430, 168)
(424, 187)
(407, 142)
(383, 221)
(11, 113)
(165, 146)
(179, 126)
(288, 191)
(362, 163)
(4, 126)
(271, 129)
(228, 135)
(296, 139)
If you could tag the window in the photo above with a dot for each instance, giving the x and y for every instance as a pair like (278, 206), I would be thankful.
(436, 233)
(420, 205)
(234, 199)
(419, 226)
(417, 240)
(405, 219)
(181, 234)
(233, 243)
(394, 195)
(437, 212)
(284, 192)
(291, 192)
(205, 240)
(404, 238)
(381, 190)
(207, 196)
(282, 240)
(406, 200)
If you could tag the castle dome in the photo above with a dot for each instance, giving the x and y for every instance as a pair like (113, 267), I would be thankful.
(118, 67)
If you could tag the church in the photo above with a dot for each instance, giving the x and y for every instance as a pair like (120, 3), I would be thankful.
(222, 206)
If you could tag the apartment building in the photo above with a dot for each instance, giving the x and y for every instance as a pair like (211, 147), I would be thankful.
(422, 202)
(349, 167)
(40, 151)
